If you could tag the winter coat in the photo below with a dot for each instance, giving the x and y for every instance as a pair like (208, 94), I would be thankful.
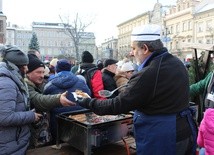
(203, 87)
(93, 78)
(64, 81)
(109, 82)
(206, 132)
(14, 111)
(39, 101)
(121, 79)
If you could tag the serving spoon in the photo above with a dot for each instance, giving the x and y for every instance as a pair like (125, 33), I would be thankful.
(107, 93)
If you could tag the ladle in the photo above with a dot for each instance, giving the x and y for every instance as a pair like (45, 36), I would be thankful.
(107, 93)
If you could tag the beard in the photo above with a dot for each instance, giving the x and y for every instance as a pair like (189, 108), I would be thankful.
(138, 63)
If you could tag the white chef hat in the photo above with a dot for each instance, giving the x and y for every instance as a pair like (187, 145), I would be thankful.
(148, 32)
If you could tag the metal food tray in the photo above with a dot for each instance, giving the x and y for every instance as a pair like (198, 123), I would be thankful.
(87, 136)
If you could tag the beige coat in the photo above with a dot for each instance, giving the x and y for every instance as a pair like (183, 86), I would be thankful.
(121, 79)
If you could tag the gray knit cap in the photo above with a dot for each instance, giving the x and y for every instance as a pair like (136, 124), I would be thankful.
(14, 55)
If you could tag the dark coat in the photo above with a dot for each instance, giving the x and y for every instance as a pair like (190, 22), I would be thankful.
(109, 82)
(14, 114)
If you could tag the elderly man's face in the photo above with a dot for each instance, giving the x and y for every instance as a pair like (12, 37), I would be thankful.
(140, 53)
(37, 75)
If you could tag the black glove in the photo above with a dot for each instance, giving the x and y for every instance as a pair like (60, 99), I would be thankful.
(84, 102)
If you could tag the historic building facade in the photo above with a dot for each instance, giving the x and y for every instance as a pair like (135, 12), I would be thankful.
(189, 21)
(124, 32)
(52, 39)
(109, 48)
(124, 37)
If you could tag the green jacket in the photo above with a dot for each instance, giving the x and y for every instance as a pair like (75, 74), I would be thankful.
(202, 87)
(39, 101)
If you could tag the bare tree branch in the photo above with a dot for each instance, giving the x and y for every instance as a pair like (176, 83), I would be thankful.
(75, 31)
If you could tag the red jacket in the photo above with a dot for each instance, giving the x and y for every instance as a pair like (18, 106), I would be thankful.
(97, 84)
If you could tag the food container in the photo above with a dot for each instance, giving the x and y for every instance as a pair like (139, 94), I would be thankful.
(86, 131)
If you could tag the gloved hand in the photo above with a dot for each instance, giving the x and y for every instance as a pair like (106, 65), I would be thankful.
(64, 101)
(84, 102)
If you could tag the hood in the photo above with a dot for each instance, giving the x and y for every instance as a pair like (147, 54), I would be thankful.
(64, 80)
(10, 70)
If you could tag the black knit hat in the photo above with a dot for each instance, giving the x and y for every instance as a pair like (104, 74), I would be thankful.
(34, 63)
(63, 65)
(109, 62)
(87, 57)
(14, 55)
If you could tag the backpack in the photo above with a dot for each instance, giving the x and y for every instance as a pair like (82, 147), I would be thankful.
(88, 75)
(40, 132)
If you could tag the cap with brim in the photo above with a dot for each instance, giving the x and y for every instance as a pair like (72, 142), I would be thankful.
(109, 62)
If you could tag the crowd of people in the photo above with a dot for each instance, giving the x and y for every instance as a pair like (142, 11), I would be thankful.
(34, 93)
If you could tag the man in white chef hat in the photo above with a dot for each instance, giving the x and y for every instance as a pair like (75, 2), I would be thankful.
(159, 96)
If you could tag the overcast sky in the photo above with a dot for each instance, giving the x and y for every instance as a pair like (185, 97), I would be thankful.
(105, 14)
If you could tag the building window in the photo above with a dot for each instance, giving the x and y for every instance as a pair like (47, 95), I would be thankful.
(200, 41)
(184, 26)
(1, 26)
(208, 41)
(177, 28)
(179, 8)
(187, 4)
(209, 25)
(189, 25)
(200, 27)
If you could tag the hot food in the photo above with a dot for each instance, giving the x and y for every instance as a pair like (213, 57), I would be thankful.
(80, 93)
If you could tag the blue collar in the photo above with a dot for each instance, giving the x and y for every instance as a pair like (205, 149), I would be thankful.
(154, 55)
(141, 66)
